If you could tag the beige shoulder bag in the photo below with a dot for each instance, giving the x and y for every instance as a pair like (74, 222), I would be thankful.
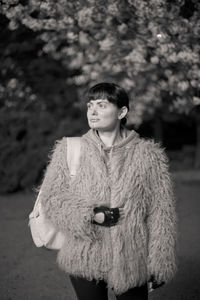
(43, 232)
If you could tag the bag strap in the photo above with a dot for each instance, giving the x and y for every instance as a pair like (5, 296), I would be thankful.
(73, 153)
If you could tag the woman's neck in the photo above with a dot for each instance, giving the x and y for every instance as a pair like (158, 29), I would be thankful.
(110, 138)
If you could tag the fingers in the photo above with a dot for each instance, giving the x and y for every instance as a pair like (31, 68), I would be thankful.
(121, 212)
(122, 216)
(120, 222)
(150, 287)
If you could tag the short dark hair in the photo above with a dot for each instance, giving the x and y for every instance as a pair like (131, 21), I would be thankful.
(110, 91)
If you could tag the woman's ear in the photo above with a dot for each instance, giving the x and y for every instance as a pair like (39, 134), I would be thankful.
(123, 112)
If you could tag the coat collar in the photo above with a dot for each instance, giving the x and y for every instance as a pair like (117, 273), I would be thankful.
(128, 137)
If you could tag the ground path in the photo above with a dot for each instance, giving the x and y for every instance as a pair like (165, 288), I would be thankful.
(28, 273)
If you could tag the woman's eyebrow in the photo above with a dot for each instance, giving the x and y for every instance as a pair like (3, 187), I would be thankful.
(98, 101)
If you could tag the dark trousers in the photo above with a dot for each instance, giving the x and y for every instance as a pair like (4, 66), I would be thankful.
(91, 290)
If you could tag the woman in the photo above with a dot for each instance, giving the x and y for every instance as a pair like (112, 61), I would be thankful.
(118, 212)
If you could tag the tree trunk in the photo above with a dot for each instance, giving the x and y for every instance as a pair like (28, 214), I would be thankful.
(158, 128)
(197, 151)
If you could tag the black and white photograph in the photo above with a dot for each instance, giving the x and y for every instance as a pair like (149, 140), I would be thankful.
(100, 150)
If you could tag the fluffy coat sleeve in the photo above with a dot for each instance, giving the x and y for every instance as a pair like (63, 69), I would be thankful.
(161, 219)
(66, 210)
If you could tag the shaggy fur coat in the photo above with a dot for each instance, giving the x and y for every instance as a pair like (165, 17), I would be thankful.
(132, 174)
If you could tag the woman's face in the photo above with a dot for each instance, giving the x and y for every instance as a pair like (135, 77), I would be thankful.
(102, 115)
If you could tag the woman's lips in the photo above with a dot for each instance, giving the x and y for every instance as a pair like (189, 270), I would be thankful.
(94, 120)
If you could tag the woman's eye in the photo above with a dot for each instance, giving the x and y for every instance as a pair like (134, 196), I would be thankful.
(102, 105)
(88, 105)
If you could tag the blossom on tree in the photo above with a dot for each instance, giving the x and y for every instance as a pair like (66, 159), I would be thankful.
(151, 48)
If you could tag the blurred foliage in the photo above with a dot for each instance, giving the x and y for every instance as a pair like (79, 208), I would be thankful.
(23, 148)
(50, 52)
(36, 107)
(150, 47)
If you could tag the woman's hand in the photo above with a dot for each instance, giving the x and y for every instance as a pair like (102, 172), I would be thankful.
(121, 215)
(108, 216)
(153, 284)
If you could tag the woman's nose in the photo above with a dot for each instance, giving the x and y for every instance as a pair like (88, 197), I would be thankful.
(94, 111)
